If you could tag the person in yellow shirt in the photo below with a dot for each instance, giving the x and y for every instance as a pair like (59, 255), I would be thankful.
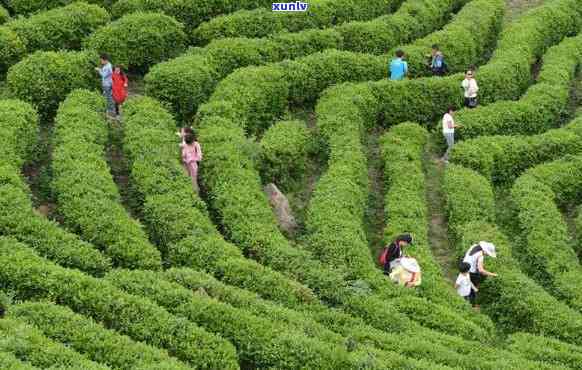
(407, 273)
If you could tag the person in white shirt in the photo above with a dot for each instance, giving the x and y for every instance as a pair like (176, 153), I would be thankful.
(475, 257)
(449, 132)
(464, 285)
(471, 88)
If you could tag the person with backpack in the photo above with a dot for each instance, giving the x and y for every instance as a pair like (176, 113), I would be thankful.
(464, 286)
(393, 252)
(406, 272)
(475, 258)
(470, 88)
(398, 67)
(191, 155)
(438, 66)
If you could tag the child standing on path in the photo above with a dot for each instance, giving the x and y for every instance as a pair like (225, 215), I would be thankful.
(191, 155)
(464, 286)
(119, 87)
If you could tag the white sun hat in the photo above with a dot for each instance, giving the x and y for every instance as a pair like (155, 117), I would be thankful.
(410, 264)
(488, 248)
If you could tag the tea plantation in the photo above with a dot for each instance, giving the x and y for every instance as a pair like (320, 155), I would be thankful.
(110, 258)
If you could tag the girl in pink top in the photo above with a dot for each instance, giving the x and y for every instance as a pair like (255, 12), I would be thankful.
(191, 155)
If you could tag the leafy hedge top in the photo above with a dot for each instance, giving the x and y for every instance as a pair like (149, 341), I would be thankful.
(26, 7)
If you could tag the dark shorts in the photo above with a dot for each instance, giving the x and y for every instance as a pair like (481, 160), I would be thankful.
(470, 102)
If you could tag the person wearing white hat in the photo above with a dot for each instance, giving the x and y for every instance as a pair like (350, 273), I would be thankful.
(406, 272)
(475, 257)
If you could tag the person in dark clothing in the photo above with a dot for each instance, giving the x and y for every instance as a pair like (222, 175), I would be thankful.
(393, 251)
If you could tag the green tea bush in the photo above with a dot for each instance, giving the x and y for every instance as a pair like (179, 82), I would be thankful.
(10, 362)
(502, 158)
(28, 344)
(46, 78)
(271, 343)
(86, 194)
(19, 126)
(512, 300)
(25, 7)
(183, 229)
(4, 15)
(548, 350)
(543, 105)
(140, 40)
(180, 83)
(189, 12)
(263, 22)
(61, 28)
(30, 276)
(12, 49)
(284, 150)
(90, 338)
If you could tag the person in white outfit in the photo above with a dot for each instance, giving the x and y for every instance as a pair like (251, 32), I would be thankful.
(475, 257)
(471, 88)
(464, 285)
(449, 132)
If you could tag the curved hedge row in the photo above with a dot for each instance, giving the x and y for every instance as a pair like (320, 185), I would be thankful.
(548, 350)
(138, 41)
(60, 28)
(19, 127)
(86, 195)
(90, 338)
(511, 299)
(271, 344)
(184, 229)
(502, 158)
(28, 344)
(188, 81)
(546, 249)
(25, 7)
(263, 22)
(542, 106)
(12, 49)
(46, 78)
(30, 276)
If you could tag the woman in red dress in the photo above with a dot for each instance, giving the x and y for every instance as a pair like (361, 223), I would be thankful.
(119, 87)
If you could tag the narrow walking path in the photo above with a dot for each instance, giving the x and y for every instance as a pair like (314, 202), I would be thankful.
(438, 236)
(375, 217)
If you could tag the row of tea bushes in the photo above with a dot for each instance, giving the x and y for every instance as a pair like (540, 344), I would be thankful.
(543, 106)
(27, 7)
(32, 277)
(512, 300)
(84, 189)
(30, 345)
(11, 362)
(19, 127)
(548, 350)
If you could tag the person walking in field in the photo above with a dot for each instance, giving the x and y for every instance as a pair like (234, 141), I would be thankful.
(398, 67)
(464, 285)
(106, 73)
(191, 155)
(393, 252)
(438, 66)
(406, 272)
(449, 132)
(470, 88)
(119, 87)
(475, 257)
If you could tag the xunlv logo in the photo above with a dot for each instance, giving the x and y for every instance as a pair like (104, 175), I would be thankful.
(297, 6)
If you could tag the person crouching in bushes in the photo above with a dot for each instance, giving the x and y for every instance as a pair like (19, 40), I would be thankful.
(406, 272)
(191, 155)
(119, 87)
(470, 88)
(393, 252)
(475, 257)
(464, 285)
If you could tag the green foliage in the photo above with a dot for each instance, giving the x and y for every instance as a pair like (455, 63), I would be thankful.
(33, 277)
(87, 196)
(547, 350)
(46, 78)
(4, 15)
(12, 49)
(138, 41)
(25, 7)
(28, 344)
(10, 362)
(284, 150)
(91, 339)
(61, 28)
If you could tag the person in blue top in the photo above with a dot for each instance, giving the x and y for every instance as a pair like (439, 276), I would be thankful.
(106, 72)
(398, 67)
